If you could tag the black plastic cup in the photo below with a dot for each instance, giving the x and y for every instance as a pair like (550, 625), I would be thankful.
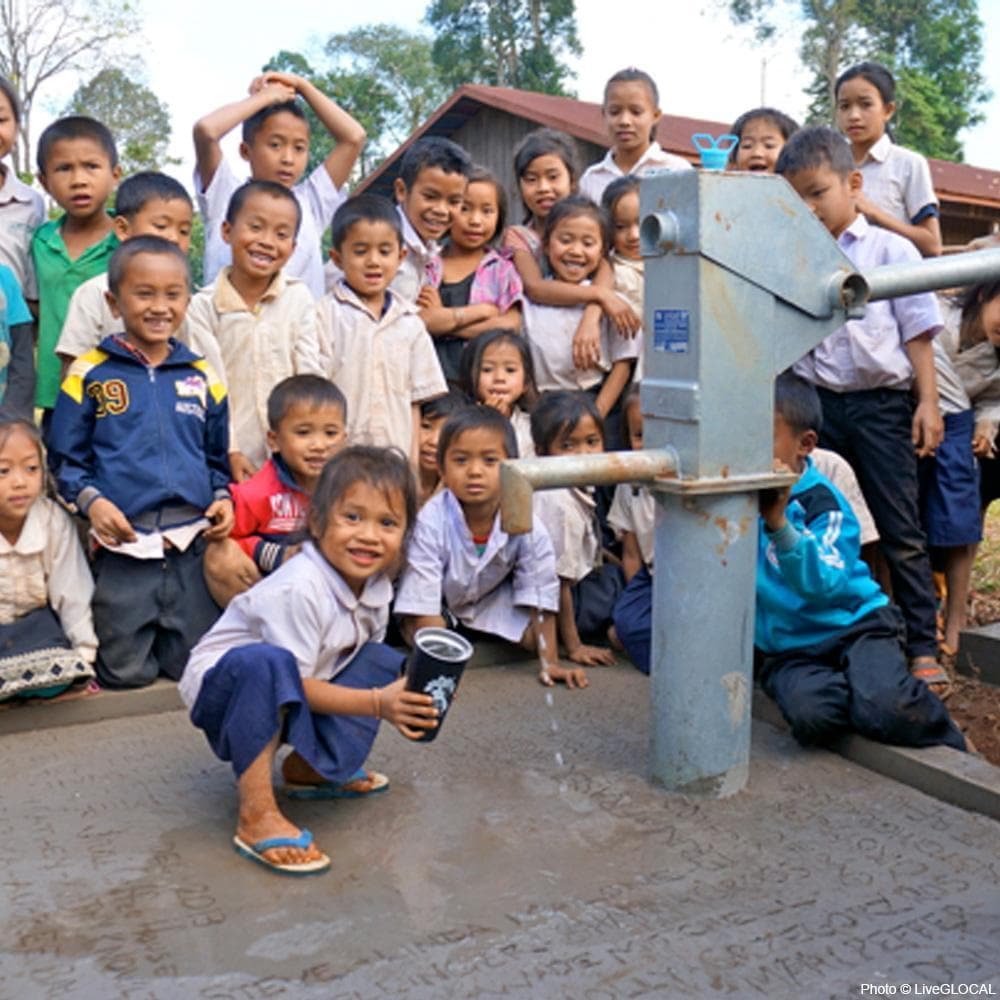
(435, 667)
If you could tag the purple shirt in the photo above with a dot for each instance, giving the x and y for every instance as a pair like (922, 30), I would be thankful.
(869, 353)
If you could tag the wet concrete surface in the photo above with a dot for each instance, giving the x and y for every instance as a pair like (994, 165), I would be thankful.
(489, 869)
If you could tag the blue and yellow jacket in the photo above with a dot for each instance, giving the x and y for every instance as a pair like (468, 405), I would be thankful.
(811, 580)
(143, 437)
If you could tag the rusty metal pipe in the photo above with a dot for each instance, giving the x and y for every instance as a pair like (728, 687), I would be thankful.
(519, 478)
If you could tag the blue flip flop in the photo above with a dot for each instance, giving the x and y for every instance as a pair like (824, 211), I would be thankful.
(255, 852)
(340, 789)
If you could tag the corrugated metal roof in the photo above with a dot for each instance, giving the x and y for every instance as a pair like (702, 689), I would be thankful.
(583, 120)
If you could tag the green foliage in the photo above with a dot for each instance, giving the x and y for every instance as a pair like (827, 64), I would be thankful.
(139, 121)
(933, 47)
(382, 74)
(196, 255)
(506, 43)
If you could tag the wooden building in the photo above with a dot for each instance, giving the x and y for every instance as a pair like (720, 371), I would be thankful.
(490, 121)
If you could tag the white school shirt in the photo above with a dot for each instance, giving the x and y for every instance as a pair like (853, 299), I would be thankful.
(869, 353)
(839, 471)
(318, 197)
(599, 175)
(629, 284)
(304, 606)
(46, 565)
(898, 180)
(521, 422)
(418, 266)
(382, 365)
(633, 508)
(570, 518)
(255, 348)
(550, 331)
(494, 592)
(22, 211)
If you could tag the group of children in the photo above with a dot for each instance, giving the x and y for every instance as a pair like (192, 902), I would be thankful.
(261, 470)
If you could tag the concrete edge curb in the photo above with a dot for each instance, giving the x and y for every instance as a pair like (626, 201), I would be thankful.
(948, 775)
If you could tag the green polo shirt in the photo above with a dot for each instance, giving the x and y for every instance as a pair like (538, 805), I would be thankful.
(58, 278)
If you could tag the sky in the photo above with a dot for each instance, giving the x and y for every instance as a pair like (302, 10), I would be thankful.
(704, 66)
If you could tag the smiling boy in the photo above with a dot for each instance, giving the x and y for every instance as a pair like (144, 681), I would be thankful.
(138, 444)
(256, 323)
(276, 146)
(429, 190)
(78, 167)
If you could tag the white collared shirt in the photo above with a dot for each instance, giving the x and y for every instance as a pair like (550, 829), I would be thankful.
(22, 211)
(382, 365)
(494, 592)
(550, 331)
(633, 508)
(898, 180)
(570, 518)
(418, 266)
(599, 175)
(46, 565)
(254, 349)
(869, 353)
(304, 606)
(318, 197)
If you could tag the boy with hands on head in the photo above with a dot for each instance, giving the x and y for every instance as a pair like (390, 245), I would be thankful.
(138, 444)
(276, 146)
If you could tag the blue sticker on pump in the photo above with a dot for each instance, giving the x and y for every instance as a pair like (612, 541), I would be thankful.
(671, 330)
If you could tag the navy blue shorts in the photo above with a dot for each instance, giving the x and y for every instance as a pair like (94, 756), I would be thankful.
(949, 487)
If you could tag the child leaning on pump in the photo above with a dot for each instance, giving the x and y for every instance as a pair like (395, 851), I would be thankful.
(832, 644)
(299, 659)
(138, 444)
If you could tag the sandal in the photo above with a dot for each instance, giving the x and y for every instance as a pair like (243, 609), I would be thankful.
(933, 675)
(362, 783)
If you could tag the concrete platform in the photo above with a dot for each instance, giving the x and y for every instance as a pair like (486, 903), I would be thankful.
(523, 854)
(979, 653)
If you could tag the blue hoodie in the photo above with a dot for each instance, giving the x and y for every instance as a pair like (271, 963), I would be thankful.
(811, 580)
(142, 437)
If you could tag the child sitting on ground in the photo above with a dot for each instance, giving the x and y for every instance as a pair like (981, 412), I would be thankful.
(78, 167)
(146, 204)
(138, 445)
(433, 414)
(299, 659)
(429, 191)
(464, 565)
(306, 415)
(257, 323)
(480, 288)
(497, 371)
(832, 645)
(380, 354)
(867, 374)
(47, 640)
(569, 423)
(276, 145)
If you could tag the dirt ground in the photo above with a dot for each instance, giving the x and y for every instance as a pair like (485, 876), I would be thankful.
(975, 706)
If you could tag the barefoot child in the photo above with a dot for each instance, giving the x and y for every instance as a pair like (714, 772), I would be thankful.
(497, 371)
(307, 416)
(480, 288)
(568, 423)
(46, 630)
(463, 564)
(299, 659)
